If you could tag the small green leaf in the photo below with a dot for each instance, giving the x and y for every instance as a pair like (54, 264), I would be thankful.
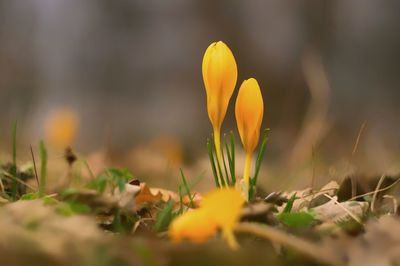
(99, 183)
(70, 191)
(296, 219)
(72, 207)
(120, 177)
(47, 200)
(30, 196)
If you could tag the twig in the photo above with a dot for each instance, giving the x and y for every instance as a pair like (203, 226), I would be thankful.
(352, 215)
(89, 170)
(353, 152)
(312, 194)
(34, 167)
(376, 192)
(355, 147)
(372, 192)
(301, 245)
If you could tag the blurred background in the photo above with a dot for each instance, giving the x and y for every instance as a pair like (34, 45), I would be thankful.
(131, 70)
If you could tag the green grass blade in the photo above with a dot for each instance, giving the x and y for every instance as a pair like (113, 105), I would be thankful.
(230, 152)
(43, 169)
(219, 169)
(212, 162)
(164, 217)
(289, 204)
(223, 184)
(225, 169)
(13, 170)
(186, 186)
(14, 143)
(180, 211)
(260, 155)
(196, 180)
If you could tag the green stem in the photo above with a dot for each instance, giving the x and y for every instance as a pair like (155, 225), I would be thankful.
(246, 173)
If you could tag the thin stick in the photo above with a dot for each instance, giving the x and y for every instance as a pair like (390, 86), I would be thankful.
(353, 152)
(352, 215)
(372, 192)
(376, 192)
(306, 247)
(34, 167)
(89, 170)
(312, 194)
(358, 138)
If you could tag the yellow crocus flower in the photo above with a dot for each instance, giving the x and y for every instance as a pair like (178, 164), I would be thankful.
(61, 128)
(220, 209)
(220, 75)
(249, 112)
(224, 206)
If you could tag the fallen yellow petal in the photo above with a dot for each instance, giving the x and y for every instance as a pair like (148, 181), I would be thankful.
(193, 225)
(219, 209)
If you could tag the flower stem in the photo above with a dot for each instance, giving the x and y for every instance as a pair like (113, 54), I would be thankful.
(246, 174)
(247, 166)
(230, 238)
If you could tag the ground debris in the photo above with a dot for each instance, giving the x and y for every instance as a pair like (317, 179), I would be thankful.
(334, 211)
(379, 245)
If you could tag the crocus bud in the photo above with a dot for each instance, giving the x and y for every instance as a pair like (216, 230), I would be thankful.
(220, 76)
(249, 112)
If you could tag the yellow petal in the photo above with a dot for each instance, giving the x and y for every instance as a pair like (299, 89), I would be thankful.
(249, 112)
(219, 209)
(223, 206)
(220, 75)
(193, 225)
